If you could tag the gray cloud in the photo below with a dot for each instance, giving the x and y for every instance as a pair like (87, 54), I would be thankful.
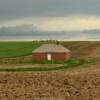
(12, 9)
(16, 9)
(30, 32)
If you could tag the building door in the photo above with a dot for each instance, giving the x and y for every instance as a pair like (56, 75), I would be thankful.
(49, 57)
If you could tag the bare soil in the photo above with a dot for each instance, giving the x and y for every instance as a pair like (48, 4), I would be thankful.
(75, 84)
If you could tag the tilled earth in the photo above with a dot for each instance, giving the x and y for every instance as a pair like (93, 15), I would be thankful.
(63, 85)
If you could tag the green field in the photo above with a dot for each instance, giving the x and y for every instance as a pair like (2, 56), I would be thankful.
(15, 49)
(18, 49)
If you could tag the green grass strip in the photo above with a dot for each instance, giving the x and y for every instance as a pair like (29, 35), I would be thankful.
(70, 64)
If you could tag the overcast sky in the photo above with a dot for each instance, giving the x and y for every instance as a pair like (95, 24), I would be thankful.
(73, 17)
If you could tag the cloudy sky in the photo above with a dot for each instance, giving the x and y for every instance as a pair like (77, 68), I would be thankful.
(50, 19)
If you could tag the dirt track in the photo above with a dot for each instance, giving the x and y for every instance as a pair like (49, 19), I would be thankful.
(29, 65)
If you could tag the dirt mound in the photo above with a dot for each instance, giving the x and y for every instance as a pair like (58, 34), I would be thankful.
(70, 85)
(82, 49)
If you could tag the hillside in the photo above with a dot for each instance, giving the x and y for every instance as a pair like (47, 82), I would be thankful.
(83, 49)
(79, 83)
(19, 49)
(20, 52)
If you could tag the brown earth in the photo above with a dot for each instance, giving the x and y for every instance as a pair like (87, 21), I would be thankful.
(75, 84)
(83, 49)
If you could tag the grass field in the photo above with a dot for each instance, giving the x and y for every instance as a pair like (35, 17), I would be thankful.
(15, 49)
(19, 49)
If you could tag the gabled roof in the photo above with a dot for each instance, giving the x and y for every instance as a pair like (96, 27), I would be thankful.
(50, 48)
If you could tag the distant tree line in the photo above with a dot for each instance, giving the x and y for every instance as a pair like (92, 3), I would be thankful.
(46, 41)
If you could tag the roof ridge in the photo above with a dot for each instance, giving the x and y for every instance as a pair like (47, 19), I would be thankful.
(51, 48)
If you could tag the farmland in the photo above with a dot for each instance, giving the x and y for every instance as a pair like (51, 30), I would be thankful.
(15, 49)
(19, 54)
(20, 49)
(63, 85)
(81, 82)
